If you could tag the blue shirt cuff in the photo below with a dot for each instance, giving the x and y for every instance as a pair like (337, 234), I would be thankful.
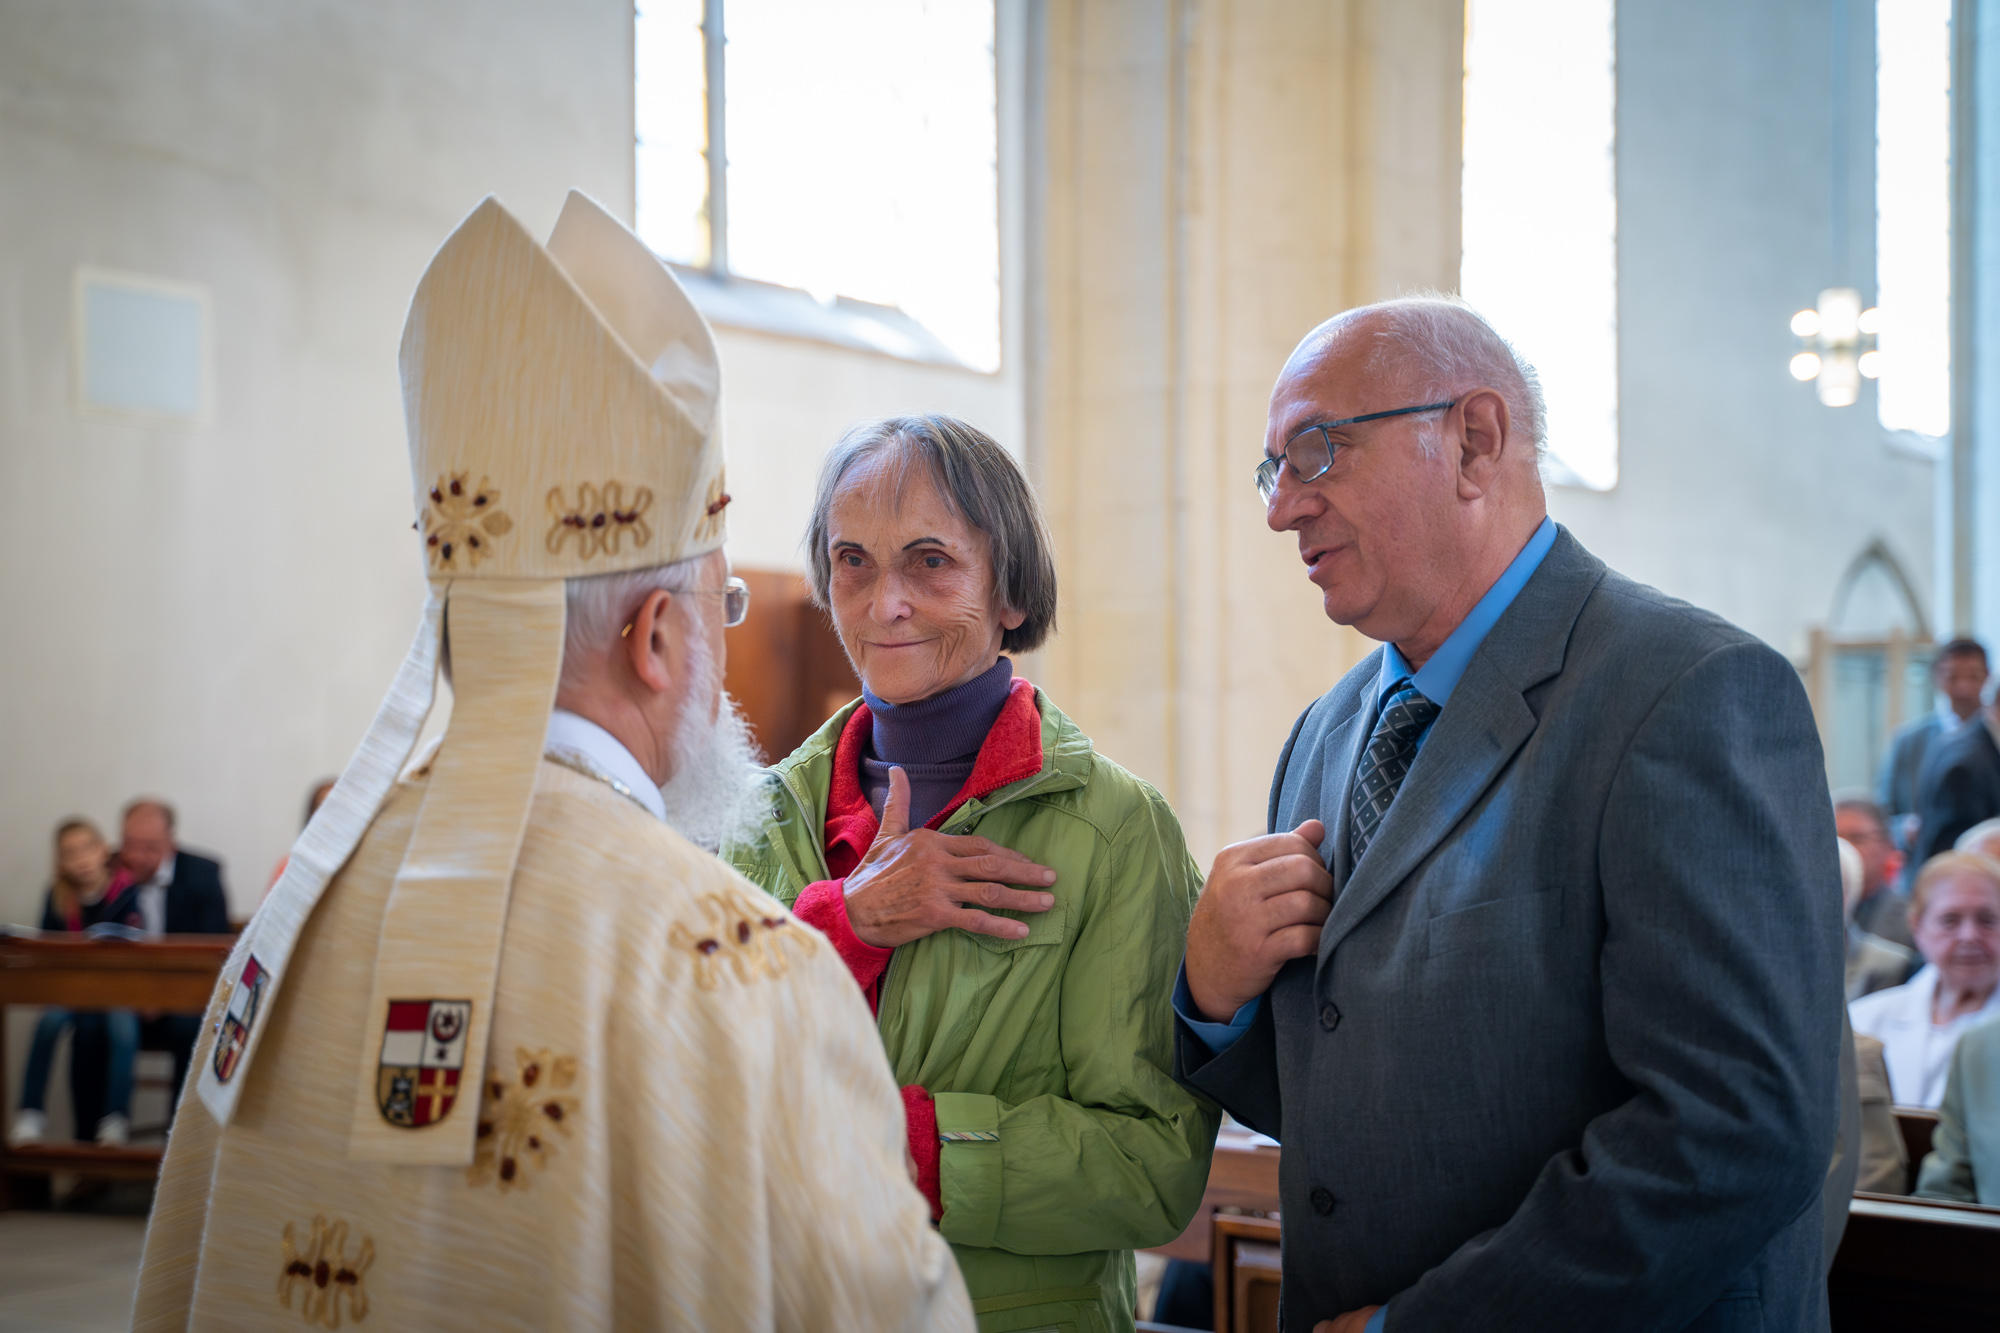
(1375, 1320)
(1218, 1037)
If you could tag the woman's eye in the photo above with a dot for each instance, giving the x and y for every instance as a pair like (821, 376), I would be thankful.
(933, 562)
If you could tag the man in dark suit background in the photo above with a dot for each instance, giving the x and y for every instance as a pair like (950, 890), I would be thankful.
(1958, 674)
(1961, 784)
(1540, 986)
(172, 891)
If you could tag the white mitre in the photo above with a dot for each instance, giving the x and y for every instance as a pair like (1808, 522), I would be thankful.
(561, 403)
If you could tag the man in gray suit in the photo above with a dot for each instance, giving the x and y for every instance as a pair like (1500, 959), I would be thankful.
(1540, 985)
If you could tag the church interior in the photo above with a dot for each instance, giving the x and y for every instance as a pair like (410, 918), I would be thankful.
(1744, 245)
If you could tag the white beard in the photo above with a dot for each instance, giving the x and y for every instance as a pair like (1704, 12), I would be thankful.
(717, 772)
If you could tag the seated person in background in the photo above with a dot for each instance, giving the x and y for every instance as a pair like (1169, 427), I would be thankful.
(1879, 910)
(1033, 1039)
(1983, 838)
(1964, 1161)
(314, 800)
(1955, 911)
(1873, 963)
(84, 879)
(172, 891)
(1885, 1161)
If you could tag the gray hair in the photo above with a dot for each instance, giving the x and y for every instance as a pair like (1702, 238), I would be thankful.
(1969, 840)
(599, 606)
(1451, 348)
(981, 483)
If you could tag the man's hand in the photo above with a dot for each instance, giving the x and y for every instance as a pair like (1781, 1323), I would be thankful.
(916, 883)
(1354, 1321)
(1264, 904)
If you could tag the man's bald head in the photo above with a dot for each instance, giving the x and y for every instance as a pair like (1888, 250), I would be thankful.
(1432, 349)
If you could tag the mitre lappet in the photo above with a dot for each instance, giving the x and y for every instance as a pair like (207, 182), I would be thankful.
(561, 407)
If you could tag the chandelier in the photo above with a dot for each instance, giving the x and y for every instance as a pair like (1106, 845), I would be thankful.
(1837, 346)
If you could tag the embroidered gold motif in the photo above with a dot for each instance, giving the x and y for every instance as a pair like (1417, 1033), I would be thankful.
(461, 521)
(742, 934)
(711, 519)
(518, 1120)
(598, 520)
(322, 1273)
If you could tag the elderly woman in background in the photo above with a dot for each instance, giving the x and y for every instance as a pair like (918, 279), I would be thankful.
(1955, 916)
(1012, 904)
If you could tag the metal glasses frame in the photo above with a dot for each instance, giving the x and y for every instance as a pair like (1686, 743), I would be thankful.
(1269, 469)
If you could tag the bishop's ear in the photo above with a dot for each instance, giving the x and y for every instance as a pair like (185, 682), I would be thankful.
(648, 640)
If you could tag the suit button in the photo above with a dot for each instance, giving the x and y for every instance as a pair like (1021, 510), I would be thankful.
(1329, 1017)
(1322, 1200)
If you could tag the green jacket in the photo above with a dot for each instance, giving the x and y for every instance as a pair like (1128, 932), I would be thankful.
(1059, 1046)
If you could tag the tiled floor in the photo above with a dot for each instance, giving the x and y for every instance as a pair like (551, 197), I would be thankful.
(67, 1272)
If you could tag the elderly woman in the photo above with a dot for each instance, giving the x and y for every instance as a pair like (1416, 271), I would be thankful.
(1011, 903)
(1955, 916)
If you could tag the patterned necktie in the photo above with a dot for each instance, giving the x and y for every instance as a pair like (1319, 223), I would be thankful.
(1385, 763)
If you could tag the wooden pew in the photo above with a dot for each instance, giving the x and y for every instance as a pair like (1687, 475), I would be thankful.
(1247, 1274)
(1917, 1124)
(1916, 1263)
(176, 974)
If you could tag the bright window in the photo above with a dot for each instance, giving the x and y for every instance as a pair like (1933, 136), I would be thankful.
(1540, 223)
(1913, 213)
(862, 144)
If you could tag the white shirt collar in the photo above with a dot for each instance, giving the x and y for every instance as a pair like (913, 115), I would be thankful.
(164, 875)
(579, 740)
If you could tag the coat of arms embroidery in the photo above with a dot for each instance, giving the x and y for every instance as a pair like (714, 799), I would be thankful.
(423, 1053)
(232, 1034)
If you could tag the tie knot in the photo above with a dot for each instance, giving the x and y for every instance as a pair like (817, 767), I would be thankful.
(1406, 707)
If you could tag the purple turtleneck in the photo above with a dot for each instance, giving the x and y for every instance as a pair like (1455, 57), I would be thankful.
(935, 741)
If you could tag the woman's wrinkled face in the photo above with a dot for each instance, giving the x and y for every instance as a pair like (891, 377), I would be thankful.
(1959, 932)
(83, 856)
(913, 587)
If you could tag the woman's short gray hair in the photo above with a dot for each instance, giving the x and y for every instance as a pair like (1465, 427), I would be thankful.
(983, 485)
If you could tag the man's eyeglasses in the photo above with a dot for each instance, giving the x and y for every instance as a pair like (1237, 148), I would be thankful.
(1310, 452)
(735, 602)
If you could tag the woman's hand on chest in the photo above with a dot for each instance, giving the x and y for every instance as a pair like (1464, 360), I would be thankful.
(916, 882)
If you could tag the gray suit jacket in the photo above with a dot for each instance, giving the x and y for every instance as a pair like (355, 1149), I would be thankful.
(1568, 1056)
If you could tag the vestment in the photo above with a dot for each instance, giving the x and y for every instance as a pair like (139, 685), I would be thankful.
(1066, 1142)
(500, 1046)
(1569, 1052)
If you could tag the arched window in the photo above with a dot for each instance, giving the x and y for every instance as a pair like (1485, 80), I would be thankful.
(1870, 667)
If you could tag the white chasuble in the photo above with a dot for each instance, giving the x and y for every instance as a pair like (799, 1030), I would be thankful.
(683, 1119)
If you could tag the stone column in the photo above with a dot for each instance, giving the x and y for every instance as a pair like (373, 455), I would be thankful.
(1207, 180)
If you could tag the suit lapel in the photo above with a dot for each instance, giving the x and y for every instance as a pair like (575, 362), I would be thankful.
(1486, 721)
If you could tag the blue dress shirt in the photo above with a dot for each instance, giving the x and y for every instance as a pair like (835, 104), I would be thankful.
(1435, 681)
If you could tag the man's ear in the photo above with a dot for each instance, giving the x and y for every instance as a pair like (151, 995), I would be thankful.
(648, 640)
(1483, 442)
